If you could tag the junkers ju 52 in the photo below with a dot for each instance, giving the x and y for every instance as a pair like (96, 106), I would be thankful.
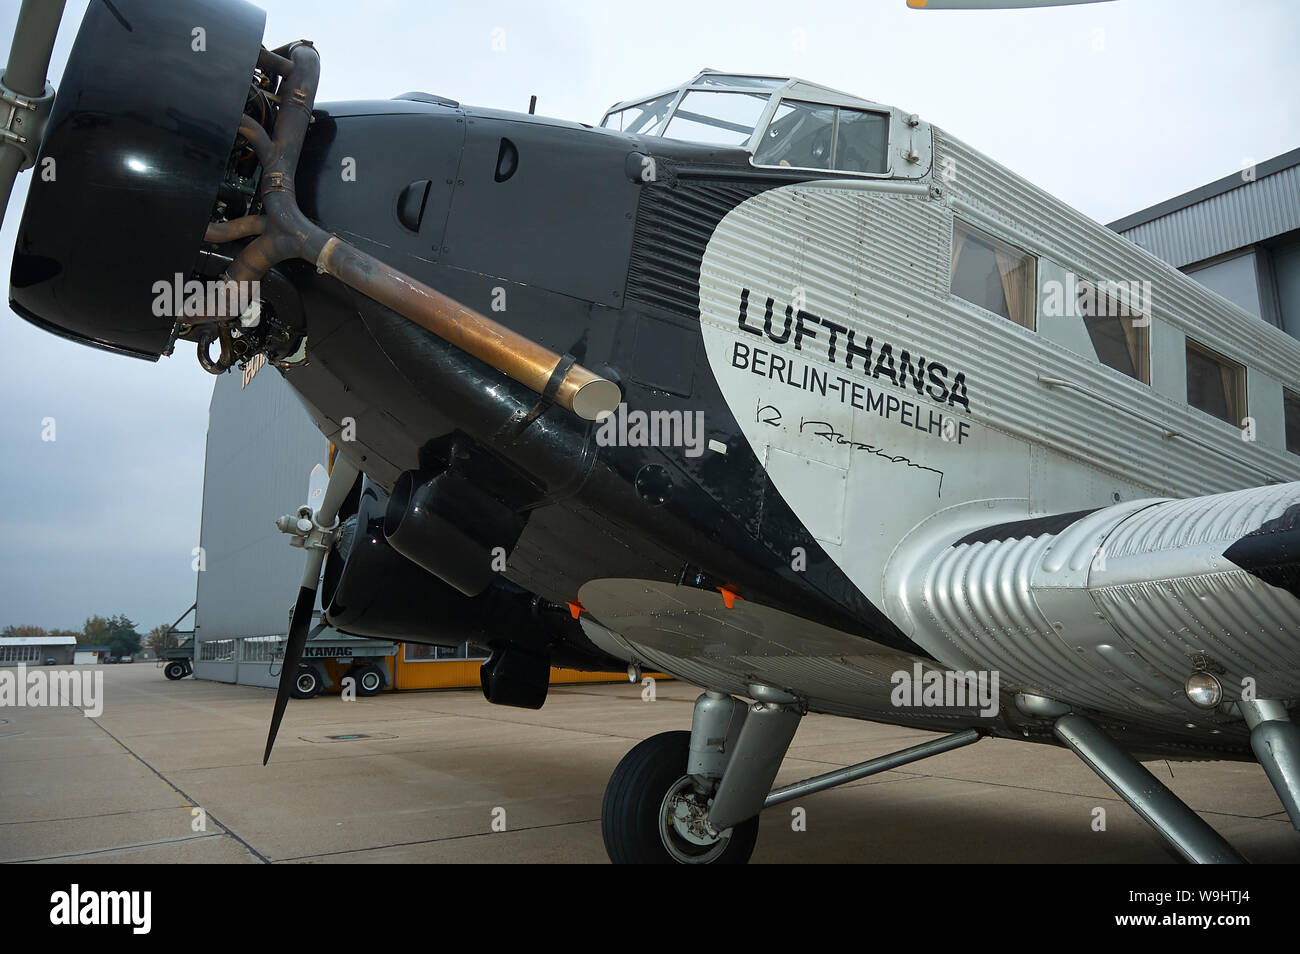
(785, 392)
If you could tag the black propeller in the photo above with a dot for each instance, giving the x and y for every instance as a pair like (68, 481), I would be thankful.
(317, 527)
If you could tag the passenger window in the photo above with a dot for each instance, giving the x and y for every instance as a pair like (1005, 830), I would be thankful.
(1291, 409)
(992, 274)
(1215, 384)
(1120, 334)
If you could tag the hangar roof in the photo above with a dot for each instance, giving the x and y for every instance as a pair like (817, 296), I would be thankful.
(1256, 203)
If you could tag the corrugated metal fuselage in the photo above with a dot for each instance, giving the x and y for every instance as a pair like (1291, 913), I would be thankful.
(814, 461)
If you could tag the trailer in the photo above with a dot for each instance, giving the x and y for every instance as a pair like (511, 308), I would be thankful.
(178, 663)
(176, 655)
(332, 659)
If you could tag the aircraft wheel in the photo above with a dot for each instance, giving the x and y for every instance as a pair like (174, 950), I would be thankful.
(653, 815)
(175, 670)
(370, 680)
(307, 683)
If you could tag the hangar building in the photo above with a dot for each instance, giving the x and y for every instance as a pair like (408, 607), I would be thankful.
(36, 650)
(1239, 235)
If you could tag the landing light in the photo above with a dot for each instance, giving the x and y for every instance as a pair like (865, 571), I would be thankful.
(1203, 689)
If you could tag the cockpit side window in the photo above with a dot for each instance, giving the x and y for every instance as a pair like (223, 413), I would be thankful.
(816, 136)
(716, 118)
(800, 135)
(862, 142)
(645, 119)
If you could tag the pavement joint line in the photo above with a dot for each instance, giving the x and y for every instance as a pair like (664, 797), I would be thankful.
(414, 748)
(434, 841)
(185, 795)
(133, 811)
(547, 725)
(63, 856)
(1052, 791)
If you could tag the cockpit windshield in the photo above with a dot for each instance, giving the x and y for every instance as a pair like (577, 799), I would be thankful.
(783, 122)
(716, 118)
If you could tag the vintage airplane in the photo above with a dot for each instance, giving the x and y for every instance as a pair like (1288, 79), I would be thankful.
(787, 393)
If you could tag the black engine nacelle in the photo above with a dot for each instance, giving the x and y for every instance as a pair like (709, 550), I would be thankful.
(370, 589)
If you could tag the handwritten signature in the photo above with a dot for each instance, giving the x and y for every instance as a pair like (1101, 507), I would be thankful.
(824, 430)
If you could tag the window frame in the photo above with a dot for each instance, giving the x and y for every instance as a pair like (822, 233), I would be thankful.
(993, 241)
(1218, 357)
(769, 117)
(703, 118)
(1099, 291)
(1290, 399)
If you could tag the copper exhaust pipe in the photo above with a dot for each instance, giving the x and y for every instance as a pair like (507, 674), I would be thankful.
(284, 233)
(220, 232)
(559, 379)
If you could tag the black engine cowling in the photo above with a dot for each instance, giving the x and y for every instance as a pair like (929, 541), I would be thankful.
(139, 136)
(369, 589)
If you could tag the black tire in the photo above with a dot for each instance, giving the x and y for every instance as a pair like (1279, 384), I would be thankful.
(370, 679)
(308, 683)
(175, 670)
(630, 816)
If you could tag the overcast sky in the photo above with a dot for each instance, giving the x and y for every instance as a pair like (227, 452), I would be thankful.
(1111, 106)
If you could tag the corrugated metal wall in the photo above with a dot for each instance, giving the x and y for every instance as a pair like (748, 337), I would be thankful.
(1252, 212)
(261, 448)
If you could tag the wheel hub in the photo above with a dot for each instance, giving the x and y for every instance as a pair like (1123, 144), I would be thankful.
(684, 824)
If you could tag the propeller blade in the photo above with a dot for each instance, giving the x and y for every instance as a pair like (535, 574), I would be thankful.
(992, 4)
(341, 479)
(29, 62)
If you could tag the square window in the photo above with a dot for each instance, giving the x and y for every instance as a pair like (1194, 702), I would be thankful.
(817, 136)
(1291, 410)
(998, 277)
(861, 142)
(1120, 335)
(1215, 384)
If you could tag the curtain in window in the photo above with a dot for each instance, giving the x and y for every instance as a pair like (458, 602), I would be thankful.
(1228, 376)
(958, 243)
(1012, 271)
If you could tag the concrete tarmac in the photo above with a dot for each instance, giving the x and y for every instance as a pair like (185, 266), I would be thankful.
(171, 773)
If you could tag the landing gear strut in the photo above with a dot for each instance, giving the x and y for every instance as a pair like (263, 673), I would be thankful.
(694, 797)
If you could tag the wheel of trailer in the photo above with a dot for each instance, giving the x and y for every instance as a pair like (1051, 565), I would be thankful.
(369, 680)
(652, 813)
(175, 670)
(307, 683)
